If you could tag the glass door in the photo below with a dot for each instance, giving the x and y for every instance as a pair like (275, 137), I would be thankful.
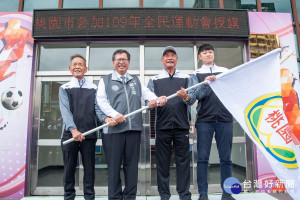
(227, 54)
(47, 161)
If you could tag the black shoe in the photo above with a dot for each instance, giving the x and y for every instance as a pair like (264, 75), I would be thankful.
(227, 196)
(203, 197)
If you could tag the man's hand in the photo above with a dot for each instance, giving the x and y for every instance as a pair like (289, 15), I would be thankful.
(77, 135)
(152, 103)
(110, 121)
(210, 78)
(182, 94)
(161, 101)
(120, 118)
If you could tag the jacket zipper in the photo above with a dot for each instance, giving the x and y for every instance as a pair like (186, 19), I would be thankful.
(128, 108)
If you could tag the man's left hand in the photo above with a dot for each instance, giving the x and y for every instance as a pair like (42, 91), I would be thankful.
(152, 104)
(160, 101)
(111, 121)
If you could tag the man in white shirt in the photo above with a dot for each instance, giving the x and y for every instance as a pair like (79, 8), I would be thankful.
(120, 93)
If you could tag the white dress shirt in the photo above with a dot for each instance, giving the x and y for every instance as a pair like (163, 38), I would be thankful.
(104, 103)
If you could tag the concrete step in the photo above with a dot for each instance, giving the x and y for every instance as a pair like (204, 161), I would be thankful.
(241, 196)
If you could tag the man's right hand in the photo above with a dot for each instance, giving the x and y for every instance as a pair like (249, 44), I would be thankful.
(77, 135)
(183, 94)
(210, 78)
(120, 118)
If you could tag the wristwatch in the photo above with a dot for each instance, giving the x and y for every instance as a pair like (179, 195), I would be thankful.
(157, 101)
(187, 98)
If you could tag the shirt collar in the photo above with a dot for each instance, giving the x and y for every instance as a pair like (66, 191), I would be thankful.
(119, 76)
(80, 83)
(209, 66)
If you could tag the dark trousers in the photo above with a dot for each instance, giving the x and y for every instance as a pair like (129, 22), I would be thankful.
(163, 148)
(223, 135)
(124, 147)
(70, 155)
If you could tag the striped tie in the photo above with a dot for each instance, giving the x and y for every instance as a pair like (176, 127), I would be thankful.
(123, 79)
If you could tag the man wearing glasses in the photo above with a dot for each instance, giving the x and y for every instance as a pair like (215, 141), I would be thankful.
(120, 93)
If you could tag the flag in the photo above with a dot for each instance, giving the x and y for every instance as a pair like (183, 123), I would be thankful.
(252, 94)
(291, 104)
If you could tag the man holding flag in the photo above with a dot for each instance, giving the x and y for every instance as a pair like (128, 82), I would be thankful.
(212, 117)
(260, 113)
(257, 104)
(120, 93)
(171, 128)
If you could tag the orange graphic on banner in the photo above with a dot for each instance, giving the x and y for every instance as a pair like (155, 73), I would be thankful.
(290, 100)
(14, 39)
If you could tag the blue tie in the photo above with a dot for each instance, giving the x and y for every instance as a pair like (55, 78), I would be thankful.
(123, 79)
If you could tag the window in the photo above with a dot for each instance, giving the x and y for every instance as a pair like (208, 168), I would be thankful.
(153, 57)
(161, 4)
(226, 53)
(276, 6)
(121, 4)
(29, 5)
(101, 55)
(296, 45)
(298, 8)
(81, 4)
(56, 56)
(241, 4)
(9, 5)
(201, 4)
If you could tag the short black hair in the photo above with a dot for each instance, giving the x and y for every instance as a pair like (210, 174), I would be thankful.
(119, 51)
(78, 56)
(205, 47)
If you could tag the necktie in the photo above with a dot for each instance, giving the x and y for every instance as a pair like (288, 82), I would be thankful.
(123, 79)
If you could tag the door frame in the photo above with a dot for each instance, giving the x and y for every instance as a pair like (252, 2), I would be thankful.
(144, 177)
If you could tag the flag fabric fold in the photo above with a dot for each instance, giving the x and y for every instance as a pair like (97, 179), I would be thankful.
(252, 93)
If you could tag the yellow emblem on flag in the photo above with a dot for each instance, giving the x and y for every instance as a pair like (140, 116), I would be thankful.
(268, 125)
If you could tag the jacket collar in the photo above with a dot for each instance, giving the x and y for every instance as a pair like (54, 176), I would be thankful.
(116, 76)
(77, 82)
(209, 68)
(166, 73)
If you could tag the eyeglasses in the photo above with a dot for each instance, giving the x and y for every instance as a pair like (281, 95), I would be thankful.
(121, 60)
(78, 64)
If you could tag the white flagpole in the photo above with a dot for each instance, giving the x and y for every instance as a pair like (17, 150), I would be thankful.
(285, 57)
(133, 113)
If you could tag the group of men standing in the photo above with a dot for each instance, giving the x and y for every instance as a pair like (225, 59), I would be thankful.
(120, 93)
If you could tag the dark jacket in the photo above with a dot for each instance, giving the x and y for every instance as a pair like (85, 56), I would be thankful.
(209, 108)
(78, 107)
(175, 113)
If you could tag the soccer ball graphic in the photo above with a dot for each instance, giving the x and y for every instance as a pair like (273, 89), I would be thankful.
(12, 98)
